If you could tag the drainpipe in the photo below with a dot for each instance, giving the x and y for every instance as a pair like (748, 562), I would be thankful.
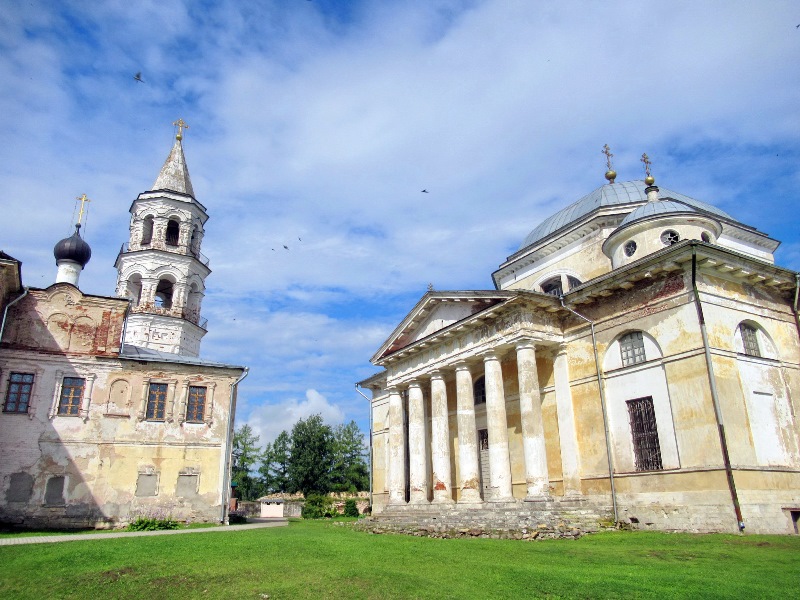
(370, 444)
(125, 326)
(25, 293)
(714, 394)
(603, 407)
(796, 293)
(229, 449)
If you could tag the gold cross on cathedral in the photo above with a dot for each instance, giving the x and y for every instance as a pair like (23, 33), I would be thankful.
(181, 125)
(83, 200)
(646, 160)
(607, 151)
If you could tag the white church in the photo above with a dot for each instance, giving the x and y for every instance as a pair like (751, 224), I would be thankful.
(637, 359)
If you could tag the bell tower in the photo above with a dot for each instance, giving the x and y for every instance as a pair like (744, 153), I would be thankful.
(161, 269)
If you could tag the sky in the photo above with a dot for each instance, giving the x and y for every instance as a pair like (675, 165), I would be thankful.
(316, 124)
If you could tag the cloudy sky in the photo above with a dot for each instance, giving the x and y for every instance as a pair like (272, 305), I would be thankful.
(315, 124)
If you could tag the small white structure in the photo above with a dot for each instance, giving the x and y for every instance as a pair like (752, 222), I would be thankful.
(271, 507)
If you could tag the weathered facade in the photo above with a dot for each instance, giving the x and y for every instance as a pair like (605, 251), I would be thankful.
(97, 430)
(639, 358)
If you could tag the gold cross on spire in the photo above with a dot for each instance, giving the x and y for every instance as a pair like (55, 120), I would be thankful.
(646, 160)
(181, 125)
(83, 200)
(607, 151)
(611, 173)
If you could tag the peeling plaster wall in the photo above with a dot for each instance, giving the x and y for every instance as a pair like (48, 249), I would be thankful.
(103, 451)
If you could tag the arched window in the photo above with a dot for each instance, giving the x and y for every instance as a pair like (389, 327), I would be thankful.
(749, 339)
(147, 230)
(135, 289)
(573, 282)
(164, 293)
(173, 232)
(553, 286)
(631, 348)
(479, 390)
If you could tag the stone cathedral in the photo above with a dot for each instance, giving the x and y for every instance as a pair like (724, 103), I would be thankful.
(637, 360)
(108, 411)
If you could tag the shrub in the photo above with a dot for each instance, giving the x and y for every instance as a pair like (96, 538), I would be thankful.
(152, 524)
(318, 506)
(350, 508)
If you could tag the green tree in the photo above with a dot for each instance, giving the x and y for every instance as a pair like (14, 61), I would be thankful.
(349, 471)
(274, 467)
(246, 454)
(311, 456)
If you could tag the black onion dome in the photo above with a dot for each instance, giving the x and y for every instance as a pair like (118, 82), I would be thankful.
(73, 248)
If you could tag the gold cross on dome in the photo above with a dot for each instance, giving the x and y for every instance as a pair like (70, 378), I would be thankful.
(646, 160)
(83, 200)
(181, 125)
(607, 151)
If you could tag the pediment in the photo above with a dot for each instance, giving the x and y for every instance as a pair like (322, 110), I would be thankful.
(437, 311)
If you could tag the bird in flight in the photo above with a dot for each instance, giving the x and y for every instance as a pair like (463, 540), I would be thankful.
(138, 77)
(425, 191)
(285, 247)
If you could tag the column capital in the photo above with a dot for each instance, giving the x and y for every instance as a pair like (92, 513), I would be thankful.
(525, 343)
(490, 355)
(562, 349)
(393, 389)
(415, 383)
(462, 366)
(436, 374)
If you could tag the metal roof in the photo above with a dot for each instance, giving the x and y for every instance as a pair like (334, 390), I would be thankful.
(132, 352)
(611, 194)
(651, 209)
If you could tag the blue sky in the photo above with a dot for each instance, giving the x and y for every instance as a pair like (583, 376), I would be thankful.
(316, 124)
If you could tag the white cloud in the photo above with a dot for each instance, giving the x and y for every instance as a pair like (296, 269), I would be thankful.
(268, 420)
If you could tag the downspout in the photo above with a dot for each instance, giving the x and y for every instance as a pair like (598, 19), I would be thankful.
(603, 408)
(25, 293)
(229, 449)
(715, 395)
(796, 293)
(125, 326)
(370, 444)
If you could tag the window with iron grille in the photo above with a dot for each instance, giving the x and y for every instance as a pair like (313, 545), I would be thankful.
(196, 404)
(479, 390)
(750, 339)
(18, 395)
(646, 449)
(631, 347)
(156, 402)
(553, 286)
(71, 396)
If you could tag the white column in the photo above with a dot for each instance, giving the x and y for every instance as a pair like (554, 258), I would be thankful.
(570, 457)
(397, 449)
(469, 479)
(440, 441)
(499, 462)
(530, 410)
(417, 445)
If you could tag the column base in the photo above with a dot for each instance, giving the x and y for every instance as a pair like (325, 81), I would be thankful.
(419, 501)
(501, 499)
(440, 501)
(470, 497)
(542, 498)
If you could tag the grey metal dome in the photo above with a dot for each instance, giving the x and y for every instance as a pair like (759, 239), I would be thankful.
(73, 248)
(611, 194)
(652, 209)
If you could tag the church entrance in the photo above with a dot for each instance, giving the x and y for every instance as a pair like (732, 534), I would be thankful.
(483, 460)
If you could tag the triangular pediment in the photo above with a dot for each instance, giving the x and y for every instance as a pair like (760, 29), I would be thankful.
(436, 311)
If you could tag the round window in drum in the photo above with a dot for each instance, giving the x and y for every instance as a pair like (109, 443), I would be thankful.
(669, 237)
(630, 248)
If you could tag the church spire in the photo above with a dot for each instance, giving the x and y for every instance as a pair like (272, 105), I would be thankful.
(174, 174)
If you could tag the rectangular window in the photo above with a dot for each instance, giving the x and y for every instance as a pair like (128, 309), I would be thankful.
(196, 404)
(646, 449)
(71, 396)
(18, 396)
(750, 340)
(631, 346)
(156, 402)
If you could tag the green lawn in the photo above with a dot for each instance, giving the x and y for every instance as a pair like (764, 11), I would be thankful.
(325, 560)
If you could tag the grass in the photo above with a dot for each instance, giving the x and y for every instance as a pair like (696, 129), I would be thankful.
(40, 533)
(327, 560)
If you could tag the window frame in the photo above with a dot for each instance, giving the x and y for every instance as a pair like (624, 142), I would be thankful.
(644, 434)
(750, 345)
(26, 391)
(75, 402)
(478, 385)
(151, 412)
(631, 349)
(192, 401)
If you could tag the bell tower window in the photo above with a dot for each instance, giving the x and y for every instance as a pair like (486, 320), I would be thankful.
(553, 286)
(147, 231)
(164, 293)
(173, 232)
